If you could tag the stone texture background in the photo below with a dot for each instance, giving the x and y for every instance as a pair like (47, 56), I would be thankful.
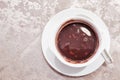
(21, 26)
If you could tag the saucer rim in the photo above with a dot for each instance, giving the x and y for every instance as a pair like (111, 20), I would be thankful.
(56, 68)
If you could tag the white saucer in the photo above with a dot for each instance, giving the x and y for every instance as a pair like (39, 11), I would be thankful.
(55, 63)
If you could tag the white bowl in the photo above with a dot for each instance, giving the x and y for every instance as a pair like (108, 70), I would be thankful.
(56, 24)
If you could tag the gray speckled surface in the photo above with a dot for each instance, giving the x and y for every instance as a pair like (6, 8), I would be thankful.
(21, 26)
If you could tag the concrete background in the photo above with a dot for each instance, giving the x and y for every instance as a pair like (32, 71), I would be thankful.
(21, 26)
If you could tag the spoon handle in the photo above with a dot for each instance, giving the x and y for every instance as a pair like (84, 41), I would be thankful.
(106, 55)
